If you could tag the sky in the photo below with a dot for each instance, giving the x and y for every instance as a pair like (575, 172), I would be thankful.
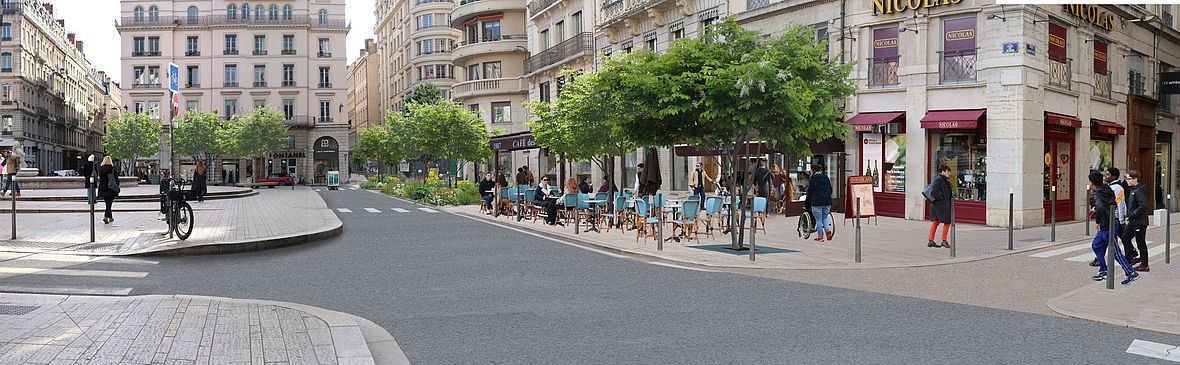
(94, 21)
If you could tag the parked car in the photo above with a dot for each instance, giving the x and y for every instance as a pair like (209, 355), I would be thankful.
(65, 173)
(282, 179)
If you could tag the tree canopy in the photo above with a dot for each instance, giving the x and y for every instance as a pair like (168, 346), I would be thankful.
(255, 134)
(132, 135)
(444, 129)
(425, 93)
(198, 135)
(582, 123)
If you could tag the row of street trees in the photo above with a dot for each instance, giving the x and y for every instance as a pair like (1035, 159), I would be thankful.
(200, 135)
(428, 128)
(715, 92)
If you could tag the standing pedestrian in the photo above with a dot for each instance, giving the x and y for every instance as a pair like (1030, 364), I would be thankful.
(819, 192)
(940, 207)
(200, 181)
(762, 179)
(14, 159)
(106, 173)
(1136, 222)
(529, 178)
(639, 190)
(87, 173)
(1111, 177)
(1103, 201)
(696, 181)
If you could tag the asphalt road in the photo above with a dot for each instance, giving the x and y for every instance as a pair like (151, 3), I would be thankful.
(457, 291)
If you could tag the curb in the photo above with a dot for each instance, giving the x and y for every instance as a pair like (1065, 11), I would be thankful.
(1055, 308)
(139, 198)
(380, 346)
(654, 258)
(217, 248)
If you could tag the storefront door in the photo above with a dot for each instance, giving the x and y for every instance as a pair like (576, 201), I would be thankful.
(1059, 163)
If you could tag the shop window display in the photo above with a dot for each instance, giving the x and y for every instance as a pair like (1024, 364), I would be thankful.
(966, 156)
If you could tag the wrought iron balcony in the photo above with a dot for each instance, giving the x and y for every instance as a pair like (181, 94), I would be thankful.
(192, 53)
(299, 121)
(324, 54)
(1060, 73)
(288, 52)
(260, 52)
(325, 84)
(146, 86)
(230, 84)
(288, 83)
(1137, 83)
(957, 67)
(883, 72)
(578, 45)
(1102, 84)
(260, 84)
(192, 86)
(536, 6)
(296, 20)
(230, 52)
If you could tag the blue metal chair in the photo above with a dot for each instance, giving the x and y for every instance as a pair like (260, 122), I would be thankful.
(714, 211)
(688, 219)
(618, 213)
(602, 196)
(759, 212)
(643, 219)
(569, 203)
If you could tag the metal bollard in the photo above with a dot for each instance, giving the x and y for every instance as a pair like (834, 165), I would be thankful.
(1087, 214)
(1168, 231)
(857, 252)
(753, 234)
(953, 228)
(576, 220)
(13, 195)
(1053, 213)
(660, 223)
(91, 195)
(1110, 250)
(1011, 198)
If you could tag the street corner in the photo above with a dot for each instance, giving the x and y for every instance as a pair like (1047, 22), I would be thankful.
(1150, 302)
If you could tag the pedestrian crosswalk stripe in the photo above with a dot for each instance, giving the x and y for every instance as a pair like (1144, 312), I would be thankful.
(1087, 257)
(1061, 251)
(21, 256)
(372, 210)
(318, 190)
(344, 210)
(65, 290)
(400, 210)
(351, 188)
(71, 272)
(428, 210)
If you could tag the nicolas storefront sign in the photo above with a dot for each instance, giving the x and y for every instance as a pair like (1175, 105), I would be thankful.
(1094, 14)
(901, 6)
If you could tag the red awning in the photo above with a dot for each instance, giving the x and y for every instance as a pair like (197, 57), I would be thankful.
(864, 122)
(1062, 120)
(953, 119)
(1103, 127)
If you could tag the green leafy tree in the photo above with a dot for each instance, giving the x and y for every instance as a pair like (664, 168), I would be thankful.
(583, 123)
(198, 135)
(443, 130)
(256, 134)
(425, 93)
(132, 136)
(729, 86)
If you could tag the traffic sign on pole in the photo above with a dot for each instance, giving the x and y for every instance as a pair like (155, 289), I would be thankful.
(173, 77)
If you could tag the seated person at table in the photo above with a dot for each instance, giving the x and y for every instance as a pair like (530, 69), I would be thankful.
(607, 186)
(584, 186)
(485, 186)
(549, 205)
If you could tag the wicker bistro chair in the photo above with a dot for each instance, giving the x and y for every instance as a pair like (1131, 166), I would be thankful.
(589, 212)
(712, 207)
(719, 213)
(617, 214)
(569, 205)
(643, 219)
(759, 213)
(688, 219)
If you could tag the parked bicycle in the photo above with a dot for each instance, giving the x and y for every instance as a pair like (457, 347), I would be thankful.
(178, 213)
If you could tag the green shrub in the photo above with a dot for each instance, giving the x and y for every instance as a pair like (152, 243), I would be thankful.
(432, 191)
(371, 185)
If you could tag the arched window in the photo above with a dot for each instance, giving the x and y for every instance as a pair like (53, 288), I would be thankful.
(258, 11)
(138, 13)
(231, 12)
(286, 12)
(153, 14)
(245, 11)
(323, 16)
(274, 12)
(192, 14)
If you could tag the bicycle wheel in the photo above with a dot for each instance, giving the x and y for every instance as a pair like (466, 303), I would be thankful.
(830, 220)
(184, 220)
(805, 226)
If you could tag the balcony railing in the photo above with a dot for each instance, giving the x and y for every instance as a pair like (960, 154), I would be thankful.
(1137, 82)
(883, 71)
(503, 37)
(325, 85)
(230, 84)
(145, 53)
(324, 54)
(146, 86)
(536, 6)
(6, 69)
(192, 53)
(288, 83)
(433, 26)
(42, 111)
(436, 77)
(1102, 84)
(1060, 73)
(260, 84)
(616, 10)
(436, 51)
(229, 52)
(1166, 103)
(489, 87)
(299, 121)
(288, 52)
(424, 2)
(192, 86)
(957, 67)
(577, 45)
(260, 52)
(221, 19)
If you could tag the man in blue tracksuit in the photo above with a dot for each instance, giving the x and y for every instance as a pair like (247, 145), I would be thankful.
(1103, 201)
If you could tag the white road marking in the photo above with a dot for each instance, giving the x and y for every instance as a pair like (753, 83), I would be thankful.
(1154, 350)
(428, 210)
(372, 210)
(1090, 256)
(400, 210)
(64, 290)
(71, 272)
(18, 256)
(344, 210)
(318, 190)
(1061, 251)
(678, 266)
(351, 188)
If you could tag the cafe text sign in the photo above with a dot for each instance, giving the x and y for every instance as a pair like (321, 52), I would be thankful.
(1094, 14)
(901, 6)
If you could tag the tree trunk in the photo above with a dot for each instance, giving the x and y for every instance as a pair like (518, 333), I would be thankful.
(728, 171)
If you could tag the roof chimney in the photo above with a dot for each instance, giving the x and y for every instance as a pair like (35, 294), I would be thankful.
(70, 36)
(61, 23)
(79, 45)
(48, 7)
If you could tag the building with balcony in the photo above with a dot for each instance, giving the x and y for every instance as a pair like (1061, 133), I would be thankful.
(1025, 99)
(490, 55)
(53, 102)
(414, 44)
(362, 106)
(237, 56)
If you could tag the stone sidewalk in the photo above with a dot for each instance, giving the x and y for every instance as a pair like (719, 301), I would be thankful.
(886, 243)
(180, 329)
(273, 217)
(1151, 302)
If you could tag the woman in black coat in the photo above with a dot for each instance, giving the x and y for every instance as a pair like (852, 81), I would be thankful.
(200, 181)
(940, 208)
(106, 172)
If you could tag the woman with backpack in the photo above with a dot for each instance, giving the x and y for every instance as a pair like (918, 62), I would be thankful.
(941, 198)
(108, 187)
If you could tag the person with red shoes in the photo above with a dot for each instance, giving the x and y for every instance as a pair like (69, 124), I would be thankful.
(819, 193)
(940, 206)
